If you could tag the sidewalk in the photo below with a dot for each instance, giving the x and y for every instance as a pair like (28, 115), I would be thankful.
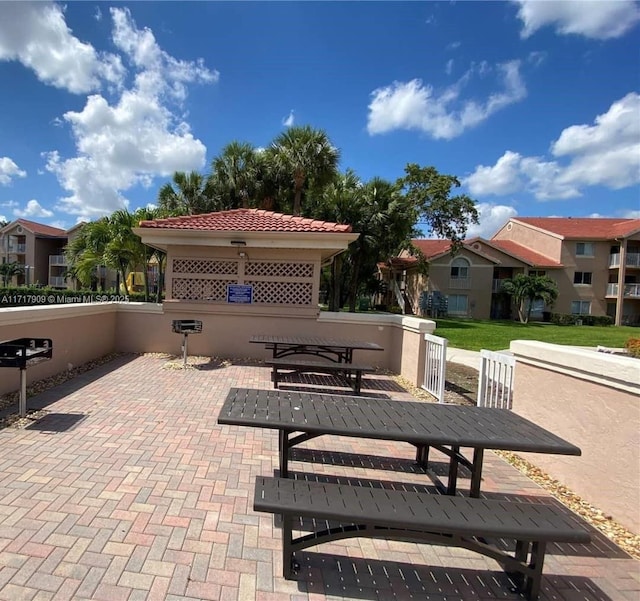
(469, 358)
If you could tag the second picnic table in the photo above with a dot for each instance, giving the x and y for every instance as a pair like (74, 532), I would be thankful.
(333, 349)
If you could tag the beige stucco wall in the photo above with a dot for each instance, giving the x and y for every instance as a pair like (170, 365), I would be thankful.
(480, 276)
(80, 333)
(593, 400)
(84, 332)
(544, 243)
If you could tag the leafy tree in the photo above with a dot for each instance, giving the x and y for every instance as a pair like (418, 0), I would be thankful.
(9, 270)
(430, 193)
(301, 155)
(382, 216)
(188, 195)
(525, 289)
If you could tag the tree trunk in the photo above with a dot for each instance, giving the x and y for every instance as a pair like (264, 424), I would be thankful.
(353, 283)
(297, 199)
(334, 297)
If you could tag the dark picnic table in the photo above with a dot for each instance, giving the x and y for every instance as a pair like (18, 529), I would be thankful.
(334, 349)
(300, 416)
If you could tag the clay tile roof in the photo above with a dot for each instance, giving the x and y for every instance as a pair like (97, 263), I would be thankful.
(523, 253)
(246, 220)
(432, 248)
(41, 229)
(581, 228)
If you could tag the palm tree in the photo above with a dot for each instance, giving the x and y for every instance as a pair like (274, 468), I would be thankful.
(85, 252)
(9, 270)
(302, 154)
(234, 173)
(188, 197)
(147, 253)
(525, 289)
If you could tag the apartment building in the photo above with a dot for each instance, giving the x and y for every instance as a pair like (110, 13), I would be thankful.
(39, 249)
(595, 263)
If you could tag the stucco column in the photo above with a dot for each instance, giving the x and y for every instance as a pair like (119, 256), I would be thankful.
(622, 270)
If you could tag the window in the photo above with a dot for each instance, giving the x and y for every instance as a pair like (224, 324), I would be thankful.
(582, 278)
(458, 304)
(581, 307)
(460, 268)
(537, 272)
(584, 249)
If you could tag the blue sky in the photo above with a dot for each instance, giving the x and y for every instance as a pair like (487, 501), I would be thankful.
(533, 105)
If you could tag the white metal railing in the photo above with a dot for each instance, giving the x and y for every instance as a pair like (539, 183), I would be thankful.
(17, 248)
(459, 283)
(435, 366)
(631, 260)
(495, 384)
(630, 290)
(57, 282)
(57, 260)
(398, 294)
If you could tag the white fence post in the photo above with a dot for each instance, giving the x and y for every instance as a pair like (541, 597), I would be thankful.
(435, 366)
(495, 384)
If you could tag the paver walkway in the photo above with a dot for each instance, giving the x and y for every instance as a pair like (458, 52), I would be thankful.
(127, 489)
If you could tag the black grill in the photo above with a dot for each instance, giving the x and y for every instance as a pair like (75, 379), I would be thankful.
(22, 353)
(186, 326)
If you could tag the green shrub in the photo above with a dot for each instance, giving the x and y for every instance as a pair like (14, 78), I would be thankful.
(633, 347)
(565, 319)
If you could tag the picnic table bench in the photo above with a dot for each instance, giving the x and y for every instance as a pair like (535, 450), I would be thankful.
(417, 517)
(351, 371)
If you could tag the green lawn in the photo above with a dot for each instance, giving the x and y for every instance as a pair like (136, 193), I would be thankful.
(474, 335)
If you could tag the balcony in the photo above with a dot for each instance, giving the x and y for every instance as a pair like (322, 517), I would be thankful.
(60, 260)
(57, 282)
(459, 283)
(630, 290)
(17, 249)
(496, 285)
(631, 260)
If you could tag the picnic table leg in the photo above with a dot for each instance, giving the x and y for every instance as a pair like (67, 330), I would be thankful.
(422, 455)
(532, 587)
(476, 472)
(283, 448)
(453, 471)
(358, 383)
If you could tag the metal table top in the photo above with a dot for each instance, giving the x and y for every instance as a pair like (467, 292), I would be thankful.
(316, 341)
(415, 422)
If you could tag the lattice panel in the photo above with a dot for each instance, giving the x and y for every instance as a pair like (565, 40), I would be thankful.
(210, 266)
(279, 270)
(282, 293)
(192, 289)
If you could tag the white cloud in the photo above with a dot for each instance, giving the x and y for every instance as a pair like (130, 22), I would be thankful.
(631, 214)
(138, 137)
(598, 19)
(289, 120)
(606, 153)
(9, 170)
(33, 209)
(503, 178)
(158, 70)
(448, 69)
(36, 35)
(491, 217)
(453, 45)
(442, 115)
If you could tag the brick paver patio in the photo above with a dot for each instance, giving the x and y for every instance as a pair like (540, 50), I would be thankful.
(126, 489)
